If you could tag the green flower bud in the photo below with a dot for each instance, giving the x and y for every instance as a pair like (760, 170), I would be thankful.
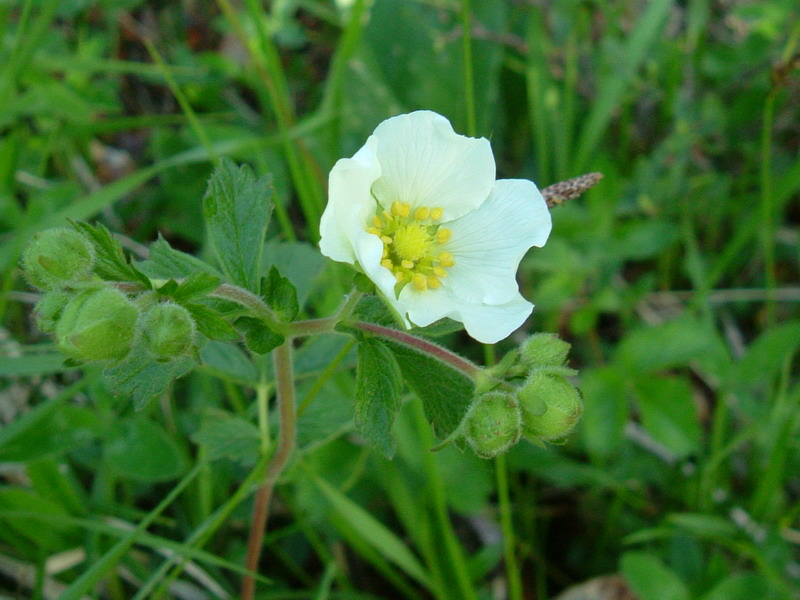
(97, 325)
(56, 257)
(492, 424)
(48, 309)
(544, 350)
(168, 330)
(550, 406)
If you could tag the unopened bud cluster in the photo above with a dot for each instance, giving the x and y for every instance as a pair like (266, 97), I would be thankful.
(91, 319)
(545, 407)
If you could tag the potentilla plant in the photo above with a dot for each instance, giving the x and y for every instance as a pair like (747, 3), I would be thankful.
(435, 242)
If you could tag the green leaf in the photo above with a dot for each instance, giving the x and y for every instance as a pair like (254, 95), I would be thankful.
(742, 586)
(196, 284)
(441, 327)
(105, 563)
(445, 392)
(230, 363)
(603, 422)
(110, 260)
(227, 436)
(142, 377)
(669, 413)
(143, 451)
(237, 209)
(165, 262)
(211, 324)
(650, 579)
(761, 363)
(281, 296)
(378, 388)
(51, 428)
(300, 262)
(258, 337)
(668, 344)
(374, 533)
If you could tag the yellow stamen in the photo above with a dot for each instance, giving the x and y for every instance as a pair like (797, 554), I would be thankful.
(374, 231)
(422, 213)
(433, 282)
(439, 272)
(407, 264)
(376, 220)
(443, 235)
(385, 252)
(437, 213)
(401, 209)
(399, 276)
(387, 216)
(386, 239)
(387, 263)
(446, 259)
(420, 281)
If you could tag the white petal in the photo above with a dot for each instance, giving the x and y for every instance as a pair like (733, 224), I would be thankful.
(425, 163)
(368, 251)
(489, 242)
(490, 323)
(487, 323)
(350, 203)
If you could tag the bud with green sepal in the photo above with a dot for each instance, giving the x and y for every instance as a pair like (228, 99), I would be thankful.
(168, 330)
(49, 307)
(493, 424)
(544, 350)
(56, 257)
(550, 406)
(97, 324)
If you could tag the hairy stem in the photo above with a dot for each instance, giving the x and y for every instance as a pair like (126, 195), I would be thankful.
(284, 377)
(451, 358)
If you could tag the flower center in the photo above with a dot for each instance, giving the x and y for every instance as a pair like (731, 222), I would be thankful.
(412, 245)
(411, 242)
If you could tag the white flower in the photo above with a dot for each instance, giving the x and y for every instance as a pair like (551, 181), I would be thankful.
(419, 210)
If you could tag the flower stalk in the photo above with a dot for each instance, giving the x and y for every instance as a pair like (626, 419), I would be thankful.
(284, 378)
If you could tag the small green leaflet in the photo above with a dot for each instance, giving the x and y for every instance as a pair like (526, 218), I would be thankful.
(446, 393)
(258, 337)
(280, 294)
(378, 388)
(196, 284)
(228, 436)
(110, 261)
(211, 324)
(143, 378)
(167, 263)
(237, 209)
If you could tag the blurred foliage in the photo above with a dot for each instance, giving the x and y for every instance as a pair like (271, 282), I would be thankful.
(675, 280)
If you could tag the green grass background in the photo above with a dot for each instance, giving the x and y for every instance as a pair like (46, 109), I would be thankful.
(676, 281)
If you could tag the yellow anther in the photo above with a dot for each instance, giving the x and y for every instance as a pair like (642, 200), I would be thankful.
(399, 276)
(386, 239)
(387, 216)
(420, 281)
(443, 235)
(407, 264)
(387, 263)
(376, 220)
(437, 213)
(422, 213)
(401, 209)
(385, 253)
(373, 231)
(433, 282)
(439, 272)
(446, 259)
